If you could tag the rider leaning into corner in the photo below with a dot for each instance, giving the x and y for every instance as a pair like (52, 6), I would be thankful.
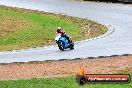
(63, 33)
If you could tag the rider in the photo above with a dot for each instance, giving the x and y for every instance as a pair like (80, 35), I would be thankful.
(63, 33)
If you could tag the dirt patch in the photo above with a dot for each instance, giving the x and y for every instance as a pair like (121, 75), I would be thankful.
(10, 24)
(63, 68)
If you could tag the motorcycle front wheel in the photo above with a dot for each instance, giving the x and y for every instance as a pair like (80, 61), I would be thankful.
(61, 46)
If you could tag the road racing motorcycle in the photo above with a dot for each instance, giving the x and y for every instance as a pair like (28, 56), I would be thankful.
(63, 43)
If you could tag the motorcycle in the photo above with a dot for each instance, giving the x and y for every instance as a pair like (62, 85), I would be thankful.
(63, 43)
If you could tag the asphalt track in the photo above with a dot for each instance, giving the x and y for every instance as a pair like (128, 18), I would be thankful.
(117, 41)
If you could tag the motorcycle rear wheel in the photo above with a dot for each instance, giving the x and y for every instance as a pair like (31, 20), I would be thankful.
(71, 46)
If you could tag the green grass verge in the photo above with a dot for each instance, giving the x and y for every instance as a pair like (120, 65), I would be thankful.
(65, 82)
(22, 28)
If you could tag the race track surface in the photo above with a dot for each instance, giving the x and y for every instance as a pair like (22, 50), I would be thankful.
(119, 42)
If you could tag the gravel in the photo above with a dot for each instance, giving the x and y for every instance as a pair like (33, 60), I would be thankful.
(49, 69)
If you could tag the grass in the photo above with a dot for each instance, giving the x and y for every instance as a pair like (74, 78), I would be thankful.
(64, 82)
(23, 28)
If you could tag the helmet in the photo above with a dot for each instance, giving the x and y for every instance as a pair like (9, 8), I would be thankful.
(58, 29)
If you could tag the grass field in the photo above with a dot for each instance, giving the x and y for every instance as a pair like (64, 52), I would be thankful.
(65, 82)
(20, 28)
